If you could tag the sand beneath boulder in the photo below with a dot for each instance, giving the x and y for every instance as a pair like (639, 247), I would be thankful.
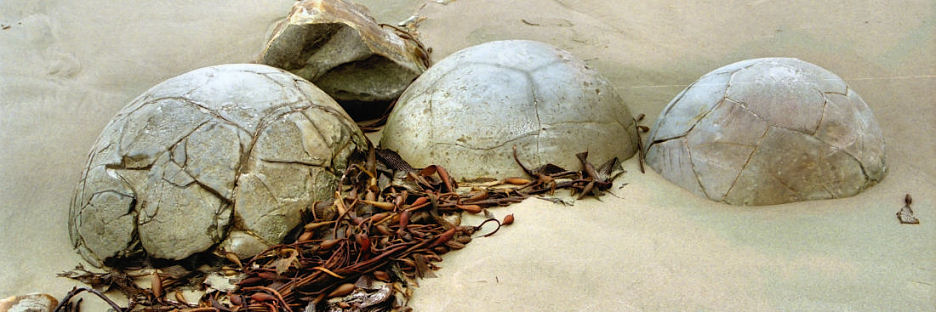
(66, 67)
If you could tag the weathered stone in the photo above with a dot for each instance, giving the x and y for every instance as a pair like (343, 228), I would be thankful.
(768, 131)
(243, 145)
(29, 303)
(468, 111)
(339, 47)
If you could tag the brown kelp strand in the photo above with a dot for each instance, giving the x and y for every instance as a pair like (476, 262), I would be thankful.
(365, 249)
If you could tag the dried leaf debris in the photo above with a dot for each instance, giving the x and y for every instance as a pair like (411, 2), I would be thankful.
(364, 250)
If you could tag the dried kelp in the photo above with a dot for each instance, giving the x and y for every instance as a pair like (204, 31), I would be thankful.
(387, 226)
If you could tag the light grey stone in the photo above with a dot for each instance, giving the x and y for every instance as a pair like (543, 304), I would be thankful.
(710, 89)
(238, 147)
(345, 52)
(35, 302)
(674, 162)
(468, 111)
(784, 130)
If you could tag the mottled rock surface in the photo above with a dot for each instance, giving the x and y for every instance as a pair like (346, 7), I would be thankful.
(345, 52)
(468, 111)
(768, 131)
(237, 145)
(29, 303)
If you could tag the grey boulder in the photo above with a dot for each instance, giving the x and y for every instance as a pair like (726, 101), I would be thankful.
(768, 131)
(236, 148)
(468, 111)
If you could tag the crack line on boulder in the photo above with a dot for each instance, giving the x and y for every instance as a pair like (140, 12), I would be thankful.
(317, 132)
(695, 173)
(522, 136)
(746, 162)
(294, 162)
(679, 97)
(211, 190)
(720, 103)
(825, 105)
(860, 165)
(665, 140)
(207, 110)
(784, 184)
(769, 123)
(539, 123)
(331, 164)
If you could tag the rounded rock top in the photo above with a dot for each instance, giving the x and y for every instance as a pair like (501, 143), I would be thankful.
(468, 111)
(768, 131)
(221, 149)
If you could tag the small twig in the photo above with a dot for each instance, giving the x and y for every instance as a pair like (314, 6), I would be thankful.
(77, 290)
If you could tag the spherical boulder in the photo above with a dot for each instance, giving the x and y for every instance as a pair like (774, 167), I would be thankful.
(229, 149)
(467, 112)
(768, 131)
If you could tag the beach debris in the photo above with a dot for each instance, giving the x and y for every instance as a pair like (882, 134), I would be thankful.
(905, 215)
(386, 226)
(339, 47)
(247, 143)
(641, 129)
(508, 219)
(29, 303)
(768, 131)
(472, 106)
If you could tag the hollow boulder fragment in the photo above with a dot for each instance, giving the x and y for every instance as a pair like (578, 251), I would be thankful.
(341, 49)
(768, 131)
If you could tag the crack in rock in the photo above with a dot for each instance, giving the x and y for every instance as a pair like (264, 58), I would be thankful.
(476, 104)
(167, 173)
(802, 154)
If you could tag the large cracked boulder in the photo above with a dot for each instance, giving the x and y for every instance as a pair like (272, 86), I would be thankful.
(768, 131)
(339, 47)
(468, 111)
(231, 149)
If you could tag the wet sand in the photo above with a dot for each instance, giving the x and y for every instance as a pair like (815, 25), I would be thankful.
(66, 67)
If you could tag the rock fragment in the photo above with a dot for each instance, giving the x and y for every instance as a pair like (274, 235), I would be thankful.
(337, 46)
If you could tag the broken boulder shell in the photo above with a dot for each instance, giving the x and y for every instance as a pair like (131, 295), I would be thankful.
(468, 111)
(232, 149)
(345, 52)
(768, 131)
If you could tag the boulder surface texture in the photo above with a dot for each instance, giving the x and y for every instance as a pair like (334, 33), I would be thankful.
(768, 131)
(468, 111)
(231, 150)
(336, 45)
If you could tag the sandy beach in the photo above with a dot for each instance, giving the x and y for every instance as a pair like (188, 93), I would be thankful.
(66, 67)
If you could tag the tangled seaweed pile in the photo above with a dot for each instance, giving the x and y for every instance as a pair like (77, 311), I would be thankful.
(362, 251)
